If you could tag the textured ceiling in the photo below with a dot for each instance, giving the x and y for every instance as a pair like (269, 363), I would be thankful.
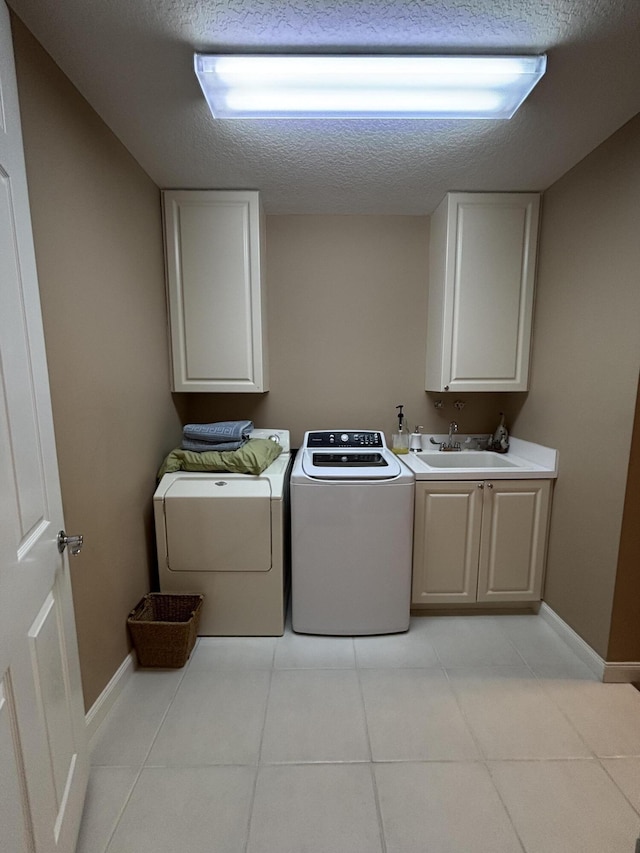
(133, 62)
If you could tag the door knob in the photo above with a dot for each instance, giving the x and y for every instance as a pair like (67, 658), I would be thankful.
(74, 542)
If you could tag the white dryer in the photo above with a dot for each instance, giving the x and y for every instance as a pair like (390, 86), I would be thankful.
(351, 535)
(226, 536)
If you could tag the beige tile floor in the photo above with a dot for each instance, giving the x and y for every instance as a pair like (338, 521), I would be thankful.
(478, 734)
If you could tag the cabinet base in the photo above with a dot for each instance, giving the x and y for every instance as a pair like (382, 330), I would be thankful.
(475, 609)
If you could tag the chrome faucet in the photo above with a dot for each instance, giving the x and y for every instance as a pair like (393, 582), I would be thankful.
(450, 444)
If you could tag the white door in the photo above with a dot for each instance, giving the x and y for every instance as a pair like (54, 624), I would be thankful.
(43, 752)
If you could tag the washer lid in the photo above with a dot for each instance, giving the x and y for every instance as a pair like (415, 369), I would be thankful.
(350, 464)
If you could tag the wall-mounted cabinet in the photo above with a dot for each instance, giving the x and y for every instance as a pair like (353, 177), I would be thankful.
(481, 281)
(480, 541)
(214, 249)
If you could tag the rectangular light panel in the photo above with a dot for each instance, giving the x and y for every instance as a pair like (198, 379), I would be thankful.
(399, 87)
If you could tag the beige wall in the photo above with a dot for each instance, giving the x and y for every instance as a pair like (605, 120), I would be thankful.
(347, 302)
(624, 639)
(586, 356)
(97, 233)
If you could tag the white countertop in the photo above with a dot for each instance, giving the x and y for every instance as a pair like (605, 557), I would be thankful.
(527, 461)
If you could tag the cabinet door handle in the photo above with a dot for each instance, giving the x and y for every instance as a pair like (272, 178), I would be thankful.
(481, 485)
(489, 485)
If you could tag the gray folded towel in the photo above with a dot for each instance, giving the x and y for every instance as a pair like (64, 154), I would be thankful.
(204, 446)
(222, 431)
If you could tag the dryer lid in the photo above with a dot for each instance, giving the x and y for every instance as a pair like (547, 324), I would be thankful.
(217, 525)
(217, 486)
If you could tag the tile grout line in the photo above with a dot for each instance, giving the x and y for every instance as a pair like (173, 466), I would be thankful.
(376, 798)
(566, 716)
(144, 760)
(592, 757)
(374, 783)
(636, 809)
(465, 719)
(504, 806)
(539, 682)
(122, 810)
(168, 708)
(259, 755)
(484, 759)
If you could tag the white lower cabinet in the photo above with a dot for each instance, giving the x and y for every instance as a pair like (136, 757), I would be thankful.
(480, 541)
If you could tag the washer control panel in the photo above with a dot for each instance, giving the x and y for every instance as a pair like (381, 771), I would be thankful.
(346, 438)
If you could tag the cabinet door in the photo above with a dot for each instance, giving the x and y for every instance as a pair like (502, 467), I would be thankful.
(446, 542)
(216, 290)
(482, 271)
(513, 542)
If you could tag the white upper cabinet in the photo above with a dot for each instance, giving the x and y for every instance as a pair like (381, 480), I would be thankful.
(481, 281)
(214, 247)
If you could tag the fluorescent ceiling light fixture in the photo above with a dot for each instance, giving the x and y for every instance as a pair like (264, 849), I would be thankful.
(445, 87)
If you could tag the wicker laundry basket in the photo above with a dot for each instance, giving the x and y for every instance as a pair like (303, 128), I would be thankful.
(164, 628)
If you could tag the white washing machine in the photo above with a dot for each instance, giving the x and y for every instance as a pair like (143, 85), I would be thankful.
(227, 536)
(351, 535)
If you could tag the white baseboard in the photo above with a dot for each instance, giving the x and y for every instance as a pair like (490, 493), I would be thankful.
(575, 642)
(622, 672)
(618, 672)
(106, 700)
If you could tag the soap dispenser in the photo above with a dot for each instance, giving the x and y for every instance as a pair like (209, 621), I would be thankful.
(500, 441)
(400, 439)
(415, 440)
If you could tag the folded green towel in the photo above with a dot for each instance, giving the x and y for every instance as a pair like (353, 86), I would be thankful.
(252, 458)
